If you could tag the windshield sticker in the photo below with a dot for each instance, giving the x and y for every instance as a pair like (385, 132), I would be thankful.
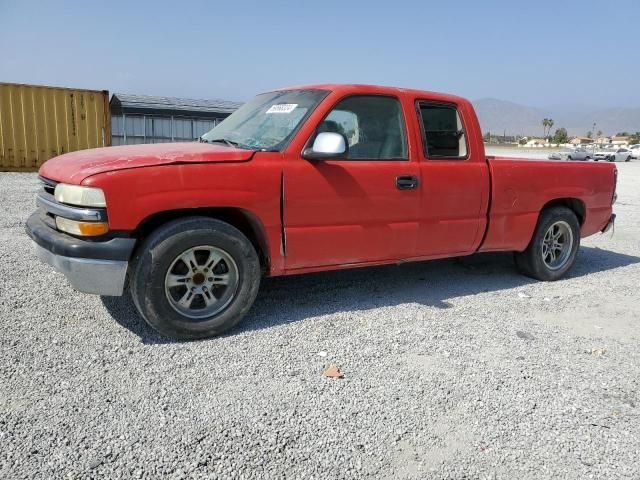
(282, 108)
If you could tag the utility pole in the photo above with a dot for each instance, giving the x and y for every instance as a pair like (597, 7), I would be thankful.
(596, 138)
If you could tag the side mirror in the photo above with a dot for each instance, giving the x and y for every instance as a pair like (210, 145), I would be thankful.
(326, 145)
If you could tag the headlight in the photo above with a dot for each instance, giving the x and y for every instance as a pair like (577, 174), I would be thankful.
(81, 196)
(85, 229)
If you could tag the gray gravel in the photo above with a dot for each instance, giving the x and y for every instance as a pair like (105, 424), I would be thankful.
(453, 369)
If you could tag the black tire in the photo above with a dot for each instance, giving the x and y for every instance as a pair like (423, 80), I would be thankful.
(628, 159)
(159, 252)
(568, 157)
(531, 263)
(612, 158)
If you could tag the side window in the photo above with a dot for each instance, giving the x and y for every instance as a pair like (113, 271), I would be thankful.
(373, 126)
(442, 131)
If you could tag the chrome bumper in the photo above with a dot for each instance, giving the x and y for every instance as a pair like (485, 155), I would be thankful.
(88, 275)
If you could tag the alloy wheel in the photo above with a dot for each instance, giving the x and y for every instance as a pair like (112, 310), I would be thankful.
(201, 282)
(557, 245)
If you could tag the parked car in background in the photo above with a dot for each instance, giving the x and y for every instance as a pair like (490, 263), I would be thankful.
(579, 154)
(611, 155)
(635, 151)
(575, 154)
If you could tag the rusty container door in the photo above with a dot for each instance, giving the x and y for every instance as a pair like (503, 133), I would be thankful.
(38, 123)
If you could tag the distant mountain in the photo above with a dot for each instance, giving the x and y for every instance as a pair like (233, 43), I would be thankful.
(500, 117)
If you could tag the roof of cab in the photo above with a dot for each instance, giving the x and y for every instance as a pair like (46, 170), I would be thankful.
(347, 88)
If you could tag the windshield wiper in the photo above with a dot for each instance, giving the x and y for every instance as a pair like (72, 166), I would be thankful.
(229, 143)
(222, 140)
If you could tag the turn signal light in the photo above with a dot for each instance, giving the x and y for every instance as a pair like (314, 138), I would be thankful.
(85, 229)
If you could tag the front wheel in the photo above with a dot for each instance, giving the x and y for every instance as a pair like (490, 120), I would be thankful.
(554, 246)
(628, 159)
(195, 278)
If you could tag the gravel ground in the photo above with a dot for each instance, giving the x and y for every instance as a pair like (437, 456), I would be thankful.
(453, 369)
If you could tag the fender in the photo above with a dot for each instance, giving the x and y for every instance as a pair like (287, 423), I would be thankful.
(134, 195)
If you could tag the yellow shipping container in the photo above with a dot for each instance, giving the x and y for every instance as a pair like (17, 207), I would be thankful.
(38, 123)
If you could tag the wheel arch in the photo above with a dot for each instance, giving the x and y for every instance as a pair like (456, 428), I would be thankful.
(576, 205)
(245, 221)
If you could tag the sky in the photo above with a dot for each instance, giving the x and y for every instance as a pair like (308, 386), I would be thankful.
(542, 54)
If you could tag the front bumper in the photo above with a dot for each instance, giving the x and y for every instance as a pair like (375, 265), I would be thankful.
(98, 267)
(101, 277)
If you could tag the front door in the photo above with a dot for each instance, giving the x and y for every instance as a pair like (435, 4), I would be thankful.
(362, 207)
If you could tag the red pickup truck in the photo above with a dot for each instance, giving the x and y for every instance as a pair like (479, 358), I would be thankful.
(299, 180)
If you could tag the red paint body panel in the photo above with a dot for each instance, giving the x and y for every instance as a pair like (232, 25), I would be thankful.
(348, 212)
(135, 194)
(338, 213)
(76, 166)
(521, 188)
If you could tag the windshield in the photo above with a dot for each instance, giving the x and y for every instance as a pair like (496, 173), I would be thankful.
(268, 121)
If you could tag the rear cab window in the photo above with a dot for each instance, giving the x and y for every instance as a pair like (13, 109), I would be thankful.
(442, 130)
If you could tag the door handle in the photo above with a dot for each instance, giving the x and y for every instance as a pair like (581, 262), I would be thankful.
(406, 182)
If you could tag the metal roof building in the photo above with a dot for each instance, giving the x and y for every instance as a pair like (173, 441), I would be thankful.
(139, 119)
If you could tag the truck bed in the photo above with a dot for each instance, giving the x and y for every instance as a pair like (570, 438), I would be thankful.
(521, 187)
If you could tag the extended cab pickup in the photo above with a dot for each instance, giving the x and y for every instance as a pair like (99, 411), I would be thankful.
(299, 180)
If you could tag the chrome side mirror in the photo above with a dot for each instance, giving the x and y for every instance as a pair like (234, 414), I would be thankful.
(326, 145)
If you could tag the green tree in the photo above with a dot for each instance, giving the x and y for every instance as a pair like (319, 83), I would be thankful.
(589, 134)
(547, 123)
(560, 136)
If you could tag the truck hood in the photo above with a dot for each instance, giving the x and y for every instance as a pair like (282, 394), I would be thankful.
(74, 167)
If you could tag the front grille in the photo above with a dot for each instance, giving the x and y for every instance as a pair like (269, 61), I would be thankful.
(48, 185)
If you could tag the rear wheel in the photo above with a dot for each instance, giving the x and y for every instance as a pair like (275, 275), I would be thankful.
(554, 246)
(612, 158)
(195, 278)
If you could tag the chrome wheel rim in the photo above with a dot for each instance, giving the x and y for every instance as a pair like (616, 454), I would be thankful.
(557, 245)
(201, 282)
